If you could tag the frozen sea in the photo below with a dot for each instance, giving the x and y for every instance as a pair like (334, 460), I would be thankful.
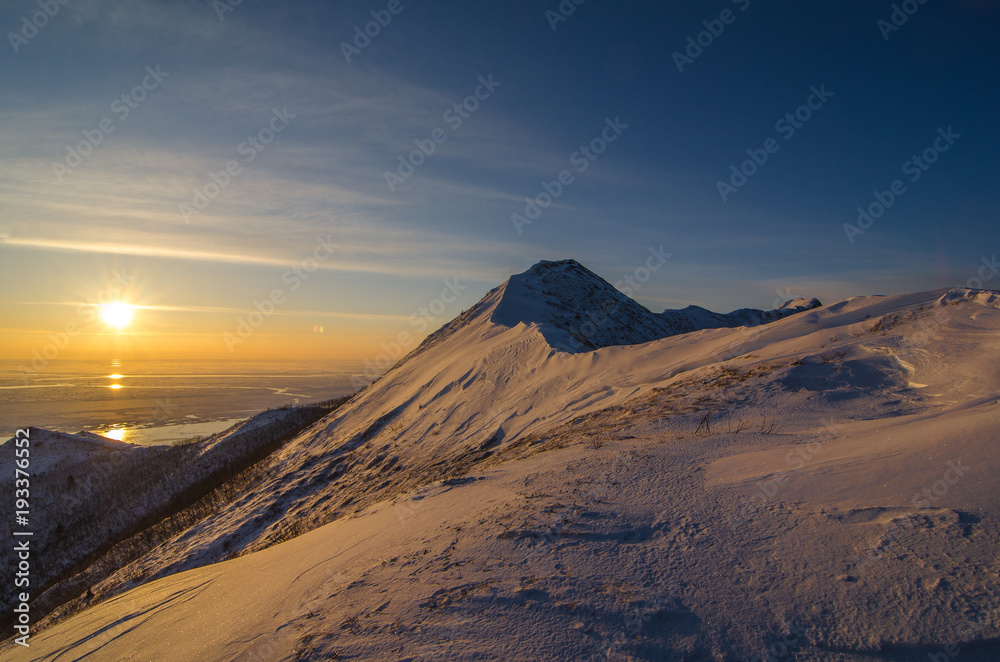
(152, 402)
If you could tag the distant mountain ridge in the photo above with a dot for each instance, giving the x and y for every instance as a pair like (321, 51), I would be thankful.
(576, 310)
(696, 318)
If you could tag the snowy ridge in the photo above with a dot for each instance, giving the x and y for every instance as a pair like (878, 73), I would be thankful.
(491, 488)
(576, 310)
(696, 318)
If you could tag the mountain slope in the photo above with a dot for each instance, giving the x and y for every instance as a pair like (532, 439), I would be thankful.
(497, 373)
(103, 500)
(433, 399)
(822, 486)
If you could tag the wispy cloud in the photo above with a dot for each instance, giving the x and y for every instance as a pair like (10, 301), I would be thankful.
(325, 172)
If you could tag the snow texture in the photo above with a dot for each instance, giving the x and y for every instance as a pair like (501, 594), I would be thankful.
(820, 487)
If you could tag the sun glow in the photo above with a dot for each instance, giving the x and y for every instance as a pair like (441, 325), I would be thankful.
(118, 434)
(117, 314)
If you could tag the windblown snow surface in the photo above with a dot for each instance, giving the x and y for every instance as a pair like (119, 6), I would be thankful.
(820, 487)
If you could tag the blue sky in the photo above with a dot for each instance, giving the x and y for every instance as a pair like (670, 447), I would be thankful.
(344, 124)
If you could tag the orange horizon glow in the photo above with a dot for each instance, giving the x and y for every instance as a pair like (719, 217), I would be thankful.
(109, 344)
(136, 325)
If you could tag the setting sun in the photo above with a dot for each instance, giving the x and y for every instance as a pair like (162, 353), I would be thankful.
(117, 314)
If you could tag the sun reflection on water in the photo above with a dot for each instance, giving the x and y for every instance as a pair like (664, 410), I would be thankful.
(118, 434)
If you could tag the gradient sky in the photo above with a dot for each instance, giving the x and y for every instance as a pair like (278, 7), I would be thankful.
(115, 217)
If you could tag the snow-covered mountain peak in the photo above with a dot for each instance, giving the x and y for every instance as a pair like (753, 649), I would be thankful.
(575, 310)
(549, 291)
